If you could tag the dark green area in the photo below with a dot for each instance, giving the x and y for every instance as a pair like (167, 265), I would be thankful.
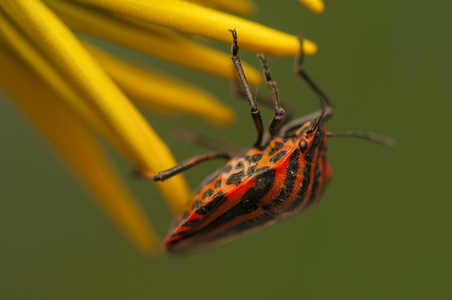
(381, 231)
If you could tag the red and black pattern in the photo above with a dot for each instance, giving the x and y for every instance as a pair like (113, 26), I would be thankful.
(253, 191)
(285, 172)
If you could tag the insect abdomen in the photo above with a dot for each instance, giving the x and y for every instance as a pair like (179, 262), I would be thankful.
(255, 202)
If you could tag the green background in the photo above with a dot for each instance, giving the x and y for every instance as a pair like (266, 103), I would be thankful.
(381, 231)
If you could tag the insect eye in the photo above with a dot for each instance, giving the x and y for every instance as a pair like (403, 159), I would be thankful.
(303, 146)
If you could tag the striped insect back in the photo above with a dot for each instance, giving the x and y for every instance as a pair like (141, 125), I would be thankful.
(255, 190)
(285, 172)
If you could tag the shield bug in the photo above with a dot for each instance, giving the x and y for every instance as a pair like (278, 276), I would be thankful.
(285, 172)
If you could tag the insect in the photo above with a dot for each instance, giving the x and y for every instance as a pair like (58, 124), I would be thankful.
(285, 172)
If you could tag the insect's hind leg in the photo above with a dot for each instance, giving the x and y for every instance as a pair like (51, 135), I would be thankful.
(185, 165)
(327, 105)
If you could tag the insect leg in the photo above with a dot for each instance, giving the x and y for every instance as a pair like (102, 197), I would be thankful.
(187, 164)
(254, 111)
(324, 100)
(264, 101)
(279, 112)
(207, 141)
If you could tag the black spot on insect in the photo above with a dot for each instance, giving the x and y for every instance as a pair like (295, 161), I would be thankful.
(278, 146)
(208, 180)
(239, 166)
(207, 193)
(272, 151)
(218, 184)
(256, 157)
(190, 223)
(262, 170)
(196, 204)
(227, 169)
(251, 170)
(235, 178)
(216, 201)
(201, 211)
(278, 156)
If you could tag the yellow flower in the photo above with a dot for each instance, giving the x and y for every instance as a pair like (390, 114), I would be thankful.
(75, 93)
(316, 6)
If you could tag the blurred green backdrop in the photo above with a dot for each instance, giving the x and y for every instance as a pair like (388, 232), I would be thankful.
(382, 230)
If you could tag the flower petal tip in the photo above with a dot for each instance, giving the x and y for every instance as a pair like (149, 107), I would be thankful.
(227, 117)
(309, 48)
(150, 248)
(316, 6)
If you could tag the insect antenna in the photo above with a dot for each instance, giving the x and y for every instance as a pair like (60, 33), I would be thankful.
(254, 110)
(379, 139)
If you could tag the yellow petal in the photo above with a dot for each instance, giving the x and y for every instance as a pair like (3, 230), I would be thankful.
(148, 38)
(35, 59)
(241, 7)
(143, 146)
(195, 19)
(316, 6)
(155, 91)
(78, 146)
